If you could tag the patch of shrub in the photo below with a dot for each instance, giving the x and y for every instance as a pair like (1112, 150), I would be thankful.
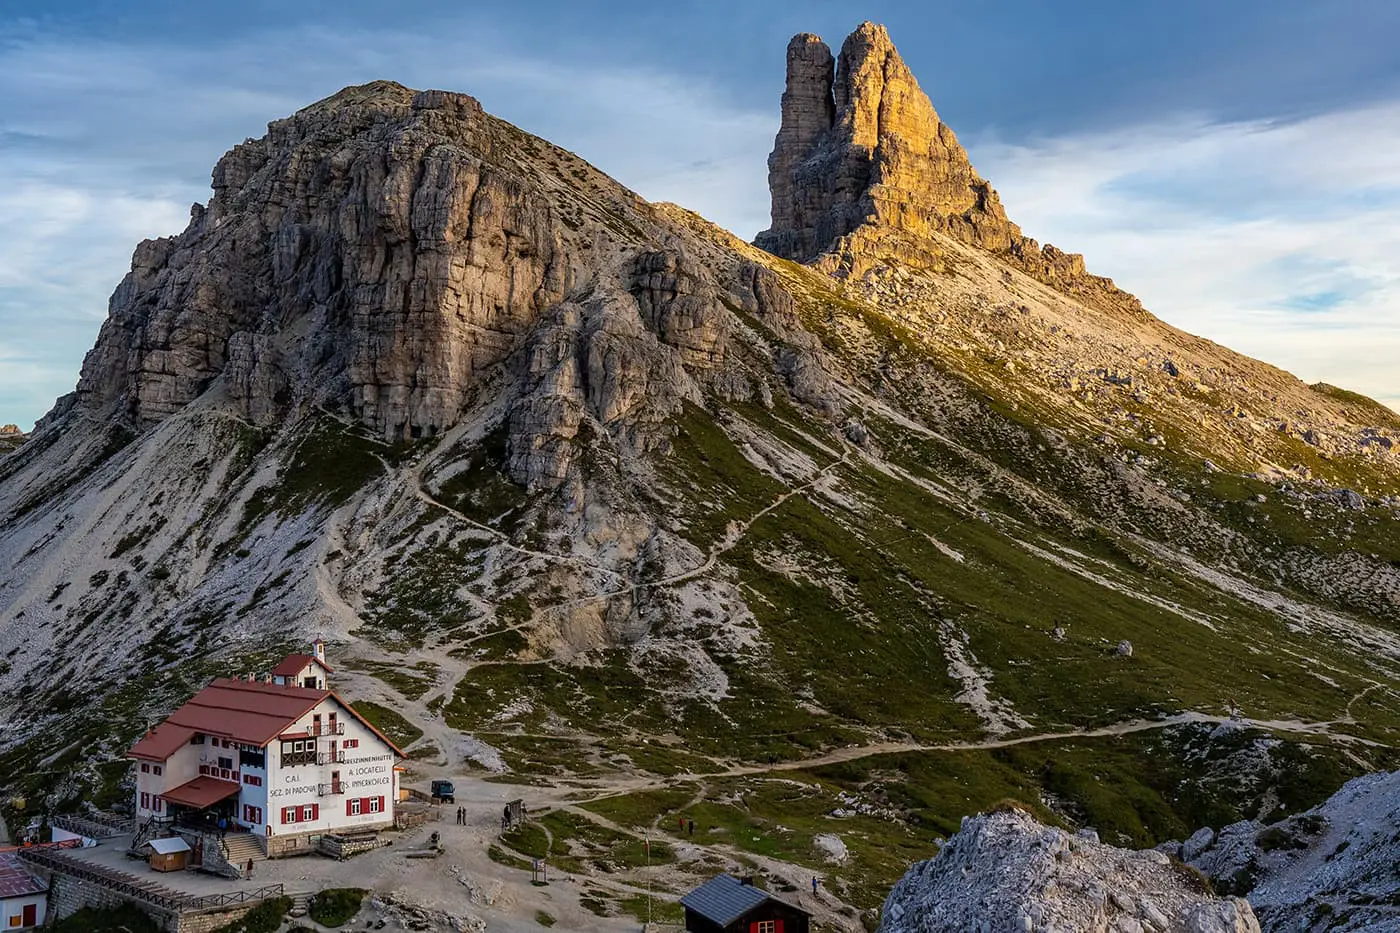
(264, 918)
(124, 919)
(335, 907)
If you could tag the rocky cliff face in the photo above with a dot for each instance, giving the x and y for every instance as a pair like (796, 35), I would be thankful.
(860, 144)
(1007, 871)
(1331, 868)
(366, 253)
(864, 169)
(377, 254)
(577, 483)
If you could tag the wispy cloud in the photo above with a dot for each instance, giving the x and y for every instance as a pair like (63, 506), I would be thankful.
(1276, 239)
(110, 144)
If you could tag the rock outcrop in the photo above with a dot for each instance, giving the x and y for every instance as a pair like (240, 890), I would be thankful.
(1329, 868)
(1007, 871)
(863, 168)
(380, 253)
(372, 223)
(860, 143)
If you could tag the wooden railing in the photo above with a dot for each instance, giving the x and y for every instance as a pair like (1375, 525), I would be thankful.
(141, 890)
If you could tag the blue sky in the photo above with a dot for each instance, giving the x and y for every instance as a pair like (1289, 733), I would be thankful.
(1234, 164)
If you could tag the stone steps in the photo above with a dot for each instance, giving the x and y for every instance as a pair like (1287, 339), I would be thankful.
(243, 847)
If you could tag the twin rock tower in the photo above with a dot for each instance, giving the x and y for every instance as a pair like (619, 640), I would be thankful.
(863, 168)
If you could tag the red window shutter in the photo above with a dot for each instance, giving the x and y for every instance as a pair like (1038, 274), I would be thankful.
(753, 927)
(777, 926)
(347, 806)
(381, 804)
(315, 811)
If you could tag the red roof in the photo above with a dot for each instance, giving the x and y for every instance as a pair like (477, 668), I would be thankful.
(201, 792)
(15, 879)
(293, 664)
(250, 713)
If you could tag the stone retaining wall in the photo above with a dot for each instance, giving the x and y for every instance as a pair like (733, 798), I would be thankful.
(68, 895)
(307, 843)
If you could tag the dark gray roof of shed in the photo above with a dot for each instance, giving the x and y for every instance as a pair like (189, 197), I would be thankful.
(724, 899)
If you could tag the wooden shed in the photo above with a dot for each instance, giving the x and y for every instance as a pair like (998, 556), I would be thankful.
(169, 854)
(726, 904)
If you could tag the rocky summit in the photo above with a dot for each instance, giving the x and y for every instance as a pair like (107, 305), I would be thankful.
(834, 539)
(861, 144)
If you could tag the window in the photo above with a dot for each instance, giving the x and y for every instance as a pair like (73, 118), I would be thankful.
(352, 807)
(252, 814)
(157, 805)
(308, 812)
(196, 739)
(764, 926)
(252, 780)
(155, 769)
(15, 920)
(252, 758)
(352, 743)
(145, 768)
(226, 763)
(376, 804)
(145, 801)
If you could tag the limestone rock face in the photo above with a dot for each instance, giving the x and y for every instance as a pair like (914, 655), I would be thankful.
(382, 253)
(864, 170)
(366, 247)
(1341, 852)
(883, 156)
(680, 305)
(1008, 871)
(808, 112)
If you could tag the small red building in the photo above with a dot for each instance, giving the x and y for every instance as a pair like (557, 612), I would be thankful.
(726, 904)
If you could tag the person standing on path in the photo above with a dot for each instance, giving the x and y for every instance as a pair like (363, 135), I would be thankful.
(690, 828)
(250, 869)
(814, 885)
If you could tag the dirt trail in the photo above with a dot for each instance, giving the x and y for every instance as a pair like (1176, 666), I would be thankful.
(633, 784)
(736, 534)
(414, 479)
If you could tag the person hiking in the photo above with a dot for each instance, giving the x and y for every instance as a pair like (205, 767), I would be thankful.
(690, 827)
(814, 885)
